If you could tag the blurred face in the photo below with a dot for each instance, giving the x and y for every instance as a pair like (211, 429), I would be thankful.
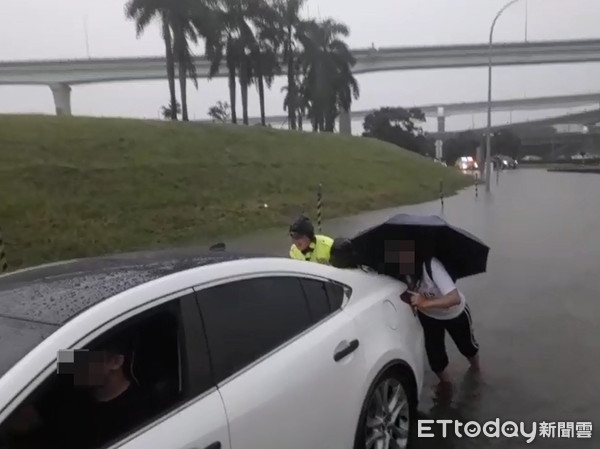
(302, 242)
(97, 368)
(401, 255)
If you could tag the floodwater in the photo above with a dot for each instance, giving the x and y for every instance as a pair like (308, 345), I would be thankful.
(536, 311)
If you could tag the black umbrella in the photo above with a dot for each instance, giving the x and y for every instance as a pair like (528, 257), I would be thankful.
(461, 253)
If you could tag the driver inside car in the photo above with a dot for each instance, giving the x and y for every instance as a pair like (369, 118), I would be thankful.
(111, 402)
(100, 402)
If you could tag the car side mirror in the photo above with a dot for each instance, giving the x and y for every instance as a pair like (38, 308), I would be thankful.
(218, 247)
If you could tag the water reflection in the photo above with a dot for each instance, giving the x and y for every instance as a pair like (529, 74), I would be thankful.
(474, 173)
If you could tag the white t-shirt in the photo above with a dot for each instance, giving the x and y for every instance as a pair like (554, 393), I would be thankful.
(440, 285)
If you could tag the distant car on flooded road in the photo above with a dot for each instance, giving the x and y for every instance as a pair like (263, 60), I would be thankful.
(467, 163)
(504, 162)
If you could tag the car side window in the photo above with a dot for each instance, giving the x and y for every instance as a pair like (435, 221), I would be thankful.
(247, 319)
(317, 299)
(336, 295)
(126, 378)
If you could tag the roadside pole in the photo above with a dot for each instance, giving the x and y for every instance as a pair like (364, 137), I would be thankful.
(442, 192)
(319, 206)
(3, 261)
(479, 158)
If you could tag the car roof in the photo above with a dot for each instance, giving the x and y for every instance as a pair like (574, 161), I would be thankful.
(53, 294)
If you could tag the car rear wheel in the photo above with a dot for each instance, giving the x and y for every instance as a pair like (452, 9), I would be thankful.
(388, 415)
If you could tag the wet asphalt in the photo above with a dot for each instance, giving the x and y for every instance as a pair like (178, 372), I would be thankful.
(536, 311)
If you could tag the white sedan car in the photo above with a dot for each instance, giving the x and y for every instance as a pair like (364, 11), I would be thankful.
(233, 351)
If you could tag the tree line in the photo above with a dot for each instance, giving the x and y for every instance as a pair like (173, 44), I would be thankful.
(403, 127)
(254, 41)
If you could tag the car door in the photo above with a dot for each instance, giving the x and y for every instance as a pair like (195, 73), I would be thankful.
(200, 422)
(167, 358)
(200, 425)
(287, 362)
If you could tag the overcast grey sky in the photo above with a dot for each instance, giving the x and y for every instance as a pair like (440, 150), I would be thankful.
(54, 29)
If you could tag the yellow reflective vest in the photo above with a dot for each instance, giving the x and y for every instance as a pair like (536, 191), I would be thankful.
(319, 251)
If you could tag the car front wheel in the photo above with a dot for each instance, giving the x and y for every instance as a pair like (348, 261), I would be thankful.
(388, 414)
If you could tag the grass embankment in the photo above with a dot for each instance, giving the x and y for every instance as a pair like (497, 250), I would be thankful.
(75, 187)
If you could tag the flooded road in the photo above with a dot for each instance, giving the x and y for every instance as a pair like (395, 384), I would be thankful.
(536, 312)
(537, 309)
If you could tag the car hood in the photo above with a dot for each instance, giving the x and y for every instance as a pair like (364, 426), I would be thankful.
(365, 282)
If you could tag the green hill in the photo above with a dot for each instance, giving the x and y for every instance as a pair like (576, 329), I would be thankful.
(73, 187)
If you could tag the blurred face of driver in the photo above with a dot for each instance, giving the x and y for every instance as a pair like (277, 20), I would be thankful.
(97, 368)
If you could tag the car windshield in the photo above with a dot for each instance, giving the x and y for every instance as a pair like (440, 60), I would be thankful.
(19, 337)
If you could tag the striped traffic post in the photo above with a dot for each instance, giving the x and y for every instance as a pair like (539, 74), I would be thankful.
(319, 206)
(3, 262)
(442, 192)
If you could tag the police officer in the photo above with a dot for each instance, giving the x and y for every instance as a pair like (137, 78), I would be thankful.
(308, 246)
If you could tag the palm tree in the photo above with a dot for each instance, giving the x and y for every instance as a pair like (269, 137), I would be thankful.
(190, 21)
(224, 43)
(300, 100)
(264, 54)
(302, 104)
(245, 71)
(227, 46)
(327, 66)
(232, 56)
(143, 12)
(290, 26)
(166, 31)
(266, 66)
(184, 58)
(236, 20)
(209, 25)
(180, 26)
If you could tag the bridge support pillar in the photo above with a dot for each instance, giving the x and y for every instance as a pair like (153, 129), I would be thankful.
(345, 122)
(441, 119)
(62, 98)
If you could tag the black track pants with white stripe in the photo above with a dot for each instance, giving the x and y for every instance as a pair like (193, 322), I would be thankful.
(460, 330)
